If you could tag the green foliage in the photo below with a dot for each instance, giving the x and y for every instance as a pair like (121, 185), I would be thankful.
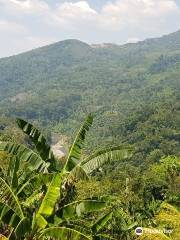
(75, 152)
(79, 208)
(169, 218)
(48, 203)
(38, 139)
(31, 160)
(61, 233)
(72, 78)
(105, 156)
(54, 194)
(150, 236)
(97, 191)
(101, 222)
(9, 199)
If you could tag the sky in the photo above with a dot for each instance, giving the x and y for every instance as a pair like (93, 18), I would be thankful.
(28, 24)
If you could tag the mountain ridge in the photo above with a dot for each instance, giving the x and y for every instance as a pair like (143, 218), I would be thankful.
(92, 45)
(58, 84)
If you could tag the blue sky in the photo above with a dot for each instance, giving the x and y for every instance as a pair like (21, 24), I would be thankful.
(28, 24)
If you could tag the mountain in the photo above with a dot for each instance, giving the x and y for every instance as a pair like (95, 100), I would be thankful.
(133, 91)
(58, 84)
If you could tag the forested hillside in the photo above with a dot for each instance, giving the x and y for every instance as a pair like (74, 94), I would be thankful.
(57, 85)
(57, 82)
(119, 174)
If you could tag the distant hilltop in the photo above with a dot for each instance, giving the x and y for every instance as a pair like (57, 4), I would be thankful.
(103, 45)
(61, 82)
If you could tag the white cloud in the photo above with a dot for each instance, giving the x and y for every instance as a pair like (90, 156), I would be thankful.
(11, 27)
(76, 9)
(25, 6)
(142, 7)
(74, 16)
(22, 4)
(117, 21)
(125, 13)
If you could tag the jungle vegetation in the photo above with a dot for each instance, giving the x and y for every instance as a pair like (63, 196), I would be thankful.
(78, 197)
(122, 168)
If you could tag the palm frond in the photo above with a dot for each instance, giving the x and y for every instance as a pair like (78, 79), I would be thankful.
(34, 183)
(76, 209)
(7, 216)
(76, 148)
(13, 171)
(21, 229)
(102, 222)
(52, 194)
(106, 151)
(78, 173)
(24, 154)
(8, 198)
(37, 138)
(102, 157)
(39, 222)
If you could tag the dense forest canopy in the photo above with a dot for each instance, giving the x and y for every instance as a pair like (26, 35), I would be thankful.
(56, 83)
(133, 90)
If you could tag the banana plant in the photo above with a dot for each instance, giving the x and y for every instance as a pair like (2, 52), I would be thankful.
(43, 159)
(75, 165)
(22, 164)
(26, 163)
(99, 225)
(38, 224)
(30, 172)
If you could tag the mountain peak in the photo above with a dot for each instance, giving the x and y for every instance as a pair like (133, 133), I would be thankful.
(68, 43)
